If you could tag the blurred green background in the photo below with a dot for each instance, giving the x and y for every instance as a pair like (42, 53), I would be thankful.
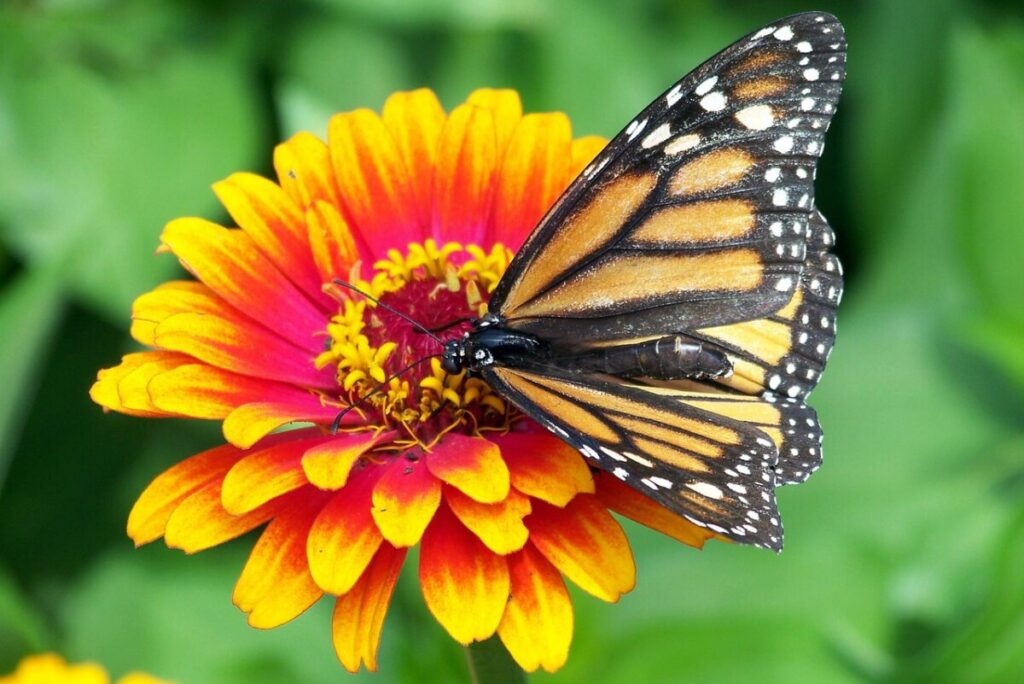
(905, 554)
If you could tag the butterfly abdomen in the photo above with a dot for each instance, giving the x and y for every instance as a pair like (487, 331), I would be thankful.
(674, 357)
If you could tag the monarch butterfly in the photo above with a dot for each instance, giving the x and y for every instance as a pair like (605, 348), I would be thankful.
(672, 310)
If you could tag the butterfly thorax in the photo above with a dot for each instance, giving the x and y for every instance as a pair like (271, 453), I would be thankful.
(488, 344)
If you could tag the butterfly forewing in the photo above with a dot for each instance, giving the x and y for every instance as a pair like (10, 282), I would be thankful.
(689, 196)
(707, 457)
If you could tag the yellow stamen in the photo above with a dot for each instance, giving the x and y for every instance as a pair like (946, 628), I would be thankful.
(361, 366)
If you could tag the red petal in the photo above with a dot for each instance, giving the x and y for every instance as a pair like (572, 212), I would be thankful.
(275, 224)
(344, 537)
(266, 474)
(465, 585)
(123, 388)
(471, 464)
(534, 173)
(467, 160)
(148, 518)
(303, 165)
(359, 614)
(499, 525)
(405, 500)
(328, 465)
(200, 521)
(538, 622)
(373, 181)
(415, 120)
(275, 585)
(251, 422)
(586, 544)
(545, 467)
(229, 262)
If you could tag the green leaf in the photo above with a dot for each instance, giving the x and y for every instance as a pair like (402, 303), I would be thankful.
(895, 99)
(988, 96)
(986, 647)
(30, 309)
(101, 147)
(172, 616)
(336, 67)
(21, 628)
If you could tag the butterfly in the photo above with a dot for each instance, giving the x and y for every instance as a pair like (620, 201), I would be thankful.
(671, 312)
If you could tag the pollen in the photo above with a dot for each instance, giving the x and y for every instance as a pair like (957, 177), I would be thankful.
(389, 369)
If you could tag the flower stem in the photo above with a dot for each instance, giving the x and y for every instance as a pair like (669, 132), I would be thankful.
(490, 663)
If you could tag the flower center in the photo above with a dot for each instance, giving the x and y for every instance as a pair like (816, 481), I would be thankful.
(389, 370)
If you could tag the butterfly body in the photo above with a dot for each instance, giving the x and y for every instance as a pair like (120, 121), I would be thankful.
(674, 308)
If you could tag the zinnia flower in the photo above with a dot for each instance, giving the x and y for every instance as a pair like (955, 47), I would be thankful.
(50, 668)
(421, 210)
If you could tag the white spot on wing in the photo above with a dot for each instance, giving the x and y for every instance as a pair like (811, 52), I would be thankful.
(811, 74)
(714, 102)
(657, 136)
(784, 144)
(705, 87)
(673, 96)
(706, 489)
(682, 143)
(784, 33)
(757, 117)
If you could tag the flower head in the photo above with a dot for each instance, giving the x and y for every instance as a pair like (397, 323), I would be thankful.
(50, 668)
(420, 211)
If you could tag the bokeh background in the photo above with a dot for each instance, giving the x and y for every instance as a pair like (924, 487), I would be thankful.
(905, 553)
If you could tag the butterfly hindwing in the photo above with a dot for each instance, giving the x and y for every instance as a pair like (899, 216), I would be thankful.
(689, 195)
(785, 352)
(702, 456)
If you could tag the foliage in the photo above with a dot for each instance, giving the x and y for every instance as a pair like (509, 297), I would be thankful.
(904, 552)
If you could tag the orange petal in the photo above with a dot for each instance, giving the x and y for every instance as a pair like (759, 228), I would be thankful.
(465, 585)
(537, 625)
(275, 586)
(586, 544)
(583, 152)
(344, 537)
(533, 175)
(328, 465)
(630, 503)
(405, 500)
(167, 299)
(242, 346)
(200, 521)
(265, 474)
(230, 263)
(123, 388)
(201, 391)
(467, 159)
(507, 109)
(149, 515)
(499, 526)
(330, 239)
(303, 166)
(251, 422)
(545, 467)
(471, 464)
(274, 222)
(359, 614)
(415, 119)
(373, 181)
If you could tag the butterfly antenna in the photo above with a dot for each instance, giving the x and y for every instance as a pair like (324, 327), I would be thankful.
(336, 423)
(405, 317)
